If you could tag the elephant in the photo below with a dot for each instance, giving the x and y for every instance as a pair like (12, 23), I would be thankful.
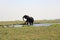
(29, 20)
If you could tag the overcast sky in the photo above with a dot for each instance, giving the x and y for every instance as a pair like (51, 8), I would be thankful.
(38, 9)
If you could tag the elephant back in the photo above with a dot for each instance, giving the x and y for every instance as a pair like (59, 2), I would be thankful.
(30, 19)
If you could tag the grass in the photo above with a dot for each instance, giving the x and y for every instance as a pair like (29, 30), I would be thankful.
(10, 22)
(47, 21)
(31, 33)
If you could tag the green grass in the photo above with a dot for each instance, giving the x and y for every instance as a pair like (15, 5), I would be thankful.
(47, 21)
(31, 33)
(10, 22)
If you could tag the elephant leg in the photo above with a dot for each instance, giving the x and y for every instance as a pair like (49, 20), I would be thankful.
(25, 22)
(31, 23)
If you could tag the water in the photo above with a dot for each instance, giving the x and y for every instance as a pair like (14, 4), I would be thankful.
(36, 25)
(44, 24)
(18, 25)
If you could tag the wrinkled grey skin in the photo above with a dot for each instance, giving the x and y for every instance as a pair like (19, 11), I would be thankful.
(29, 20)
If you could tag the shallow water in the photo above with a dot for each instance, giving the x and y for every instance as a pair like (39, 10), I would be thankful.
(42, 24)
(36, 25)
(18, 25)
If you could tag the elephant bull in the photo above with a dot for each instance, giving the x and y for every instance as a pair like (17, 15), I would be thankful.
(29, 20)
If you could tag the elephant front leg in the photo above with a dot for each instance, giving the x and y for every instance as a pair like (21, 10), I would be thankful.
(26, 22)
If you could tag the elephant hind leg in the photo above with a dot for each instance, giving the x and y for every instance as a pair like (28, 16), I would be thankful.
(31, 23)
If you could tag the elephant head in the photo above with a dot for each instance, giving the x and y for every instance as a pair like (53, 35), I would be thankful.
(29, 20)
(25, 16)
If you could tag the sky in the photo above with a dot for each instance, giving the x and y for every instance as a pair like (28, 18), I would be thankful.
(38, 9)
